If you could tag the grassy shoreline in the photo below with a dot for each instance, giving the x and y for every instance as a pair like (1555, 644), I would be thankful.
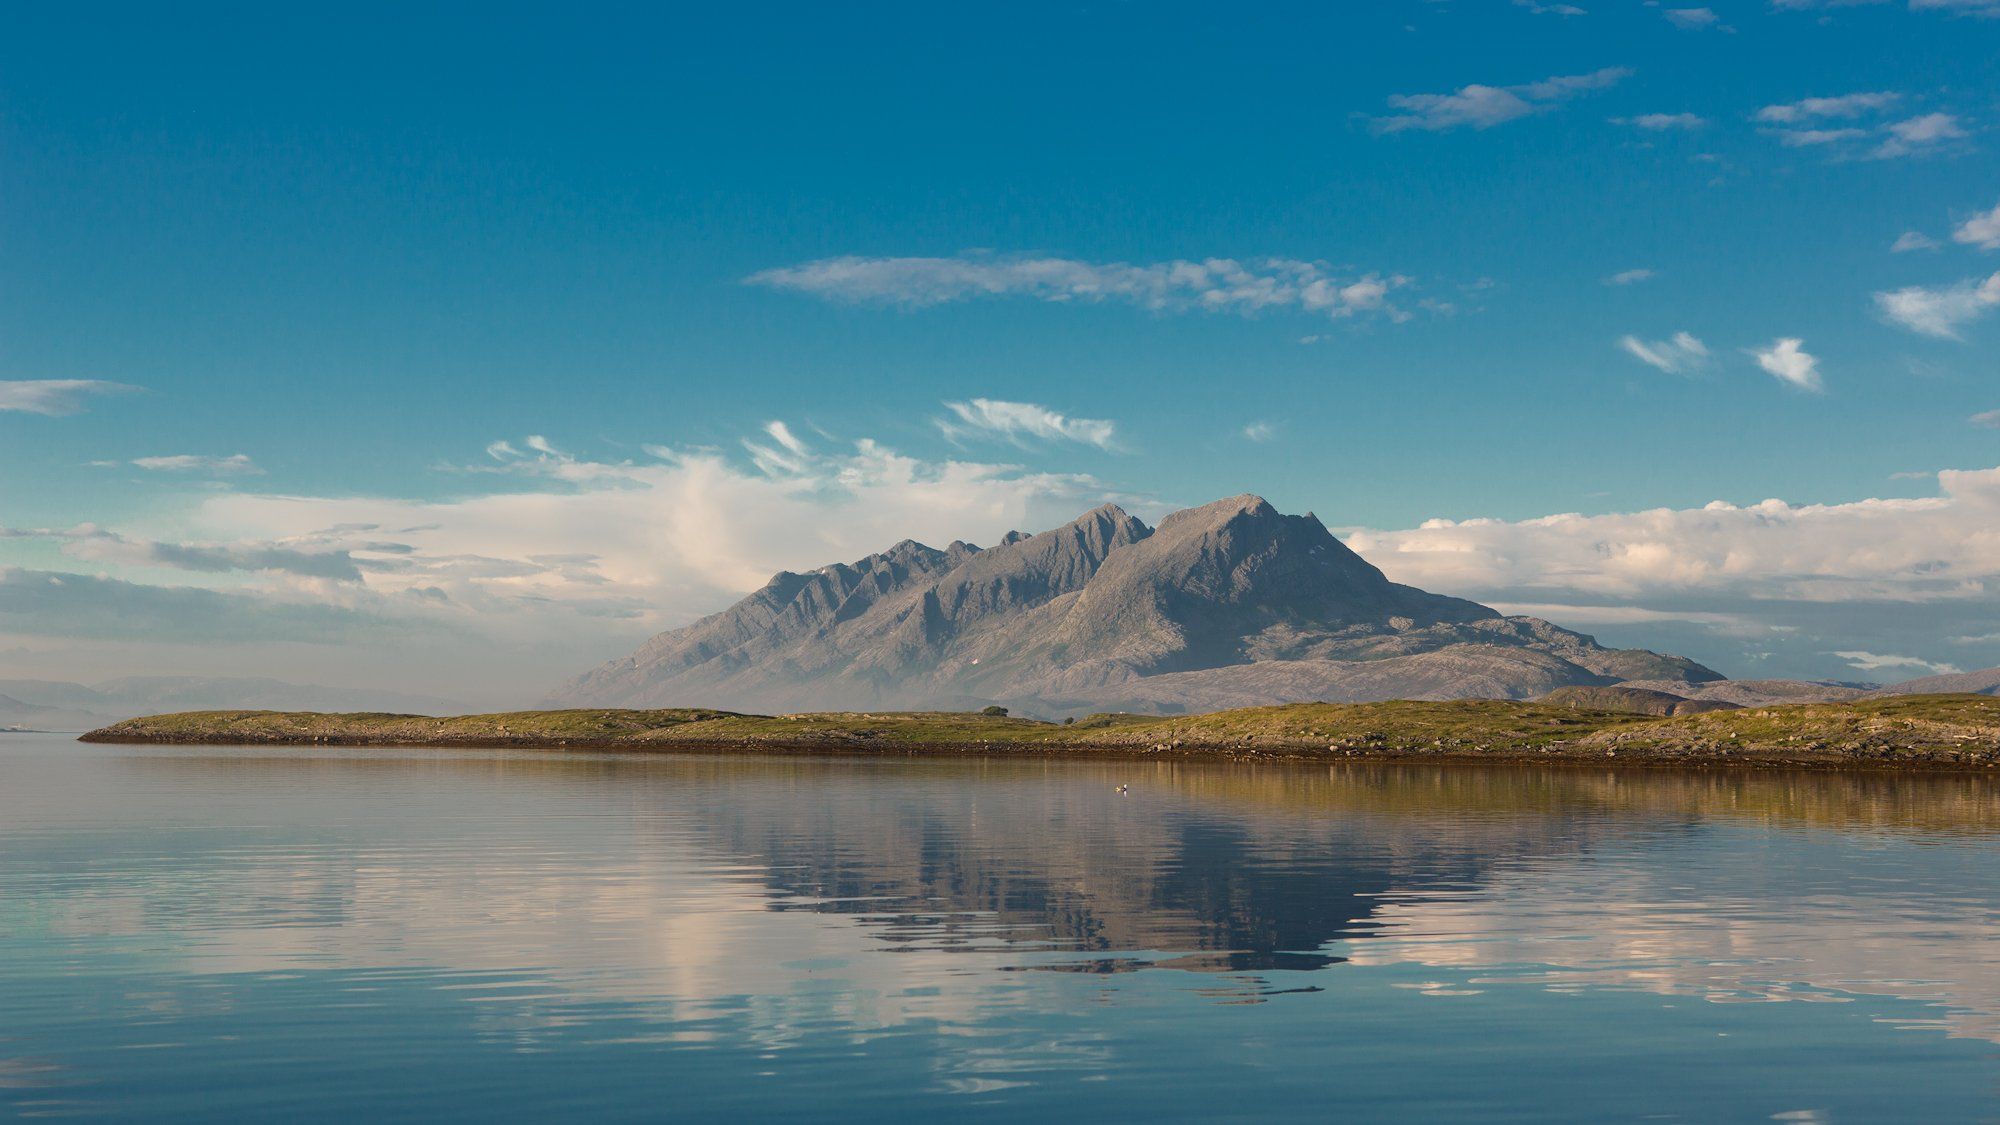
(1915, 732)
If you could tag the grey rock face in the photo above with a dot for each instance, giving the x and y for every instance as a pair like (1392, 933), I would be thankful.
(1229, 604)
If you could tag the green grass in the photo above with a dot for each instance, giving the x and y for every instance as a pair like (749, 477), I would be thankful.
(1963, 730)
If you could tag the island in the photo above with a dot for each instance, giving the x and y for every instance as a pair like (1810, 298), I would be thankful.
(1907, 731)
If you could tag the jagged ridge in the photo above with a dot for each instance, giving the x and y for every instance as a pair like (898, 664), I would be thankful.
(1229, 604)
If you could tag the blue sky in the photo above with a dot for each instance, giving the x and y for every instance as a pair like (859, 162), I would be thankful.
(1391, 262)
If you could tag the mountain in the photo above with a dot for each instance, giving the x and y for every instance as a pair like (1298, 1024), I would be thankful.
(1986, 682)
(1229, 604)
(62, 706)
(1763, 693)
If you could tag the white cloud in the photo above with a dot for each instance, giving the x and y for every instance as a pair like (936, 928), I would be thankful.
(1875, 662)
(1911, 240)
(1681, 352)
(53, 396)
(1788, 361)
(1861, 575)
(1981, 230)
(1768, 588)
(1917, 135)
(1210, 285)
(235, 463)
(1260, 432)
(1845, 105)
(1630, 277)
(1958, 7)
(1016, 421)
(1811, 138)
(1940, 311)
(1989, 419)
(1660, 122)
(1693, 19)
(1541, 9)
(1482, 107)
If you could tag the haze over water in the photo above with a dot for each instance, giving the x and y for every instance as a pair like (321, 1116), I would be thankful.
(213, 931)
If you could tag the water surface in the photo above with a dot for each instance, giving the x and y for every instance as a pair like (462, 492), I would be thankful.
(196, 932)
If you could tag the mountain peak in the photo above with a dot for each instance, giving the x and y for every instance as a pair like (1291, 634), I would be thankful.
(1218, 512)
(1227, 604)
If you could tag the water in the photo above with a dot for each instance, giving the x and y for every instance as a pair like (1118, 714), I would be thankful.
(198, 933)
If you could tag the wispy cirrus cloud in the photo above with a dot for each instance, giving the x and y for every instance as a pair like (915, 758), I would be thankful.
(1020, 421)
(1912, 240)
(1541, 9)
(1940, 311)
(1181, 285)
(1678, 353)
(95, 544)
(1877, 662)
(1832, 122)
(1822, 108)
(233, 464)
(1695, 19)
(1662, 122)
(1630, 277)
(1914, 136)
(1482, 107)
(1983, 8)
(55, 397)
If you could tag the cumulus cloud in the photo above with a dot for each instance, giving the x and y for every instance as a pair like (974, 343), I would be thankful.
(1940, 311)
(1981, 230)
(1209, 285)
(1482, 107)
(1661, 122)
(1911, 240)
(235, 463)
(54, 396)
(1788, 361)
(1016, 421)
(1681, 352)
(1804, 580)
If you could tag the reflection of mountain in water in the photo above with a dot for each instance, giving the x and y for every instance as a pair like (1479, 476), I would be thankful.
(1024, 858)
(700, 879)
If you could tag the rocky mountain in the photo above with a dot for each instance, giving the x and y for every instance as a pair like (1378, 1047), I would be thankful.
(1229, 604)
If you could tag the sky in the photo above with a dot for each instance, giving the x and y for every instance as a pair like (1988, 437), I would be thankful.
(460, 351)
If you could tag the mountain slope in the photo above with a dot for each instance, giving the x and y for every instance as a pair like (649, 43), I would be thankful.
(1228, 604)
(1983, 682)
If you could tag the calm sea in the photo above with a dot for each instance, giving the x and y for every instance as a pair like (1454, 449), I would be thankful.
(199, 933)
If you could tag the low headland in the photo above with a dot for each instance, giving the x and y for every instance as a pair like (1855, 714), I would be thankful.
(1909, 731)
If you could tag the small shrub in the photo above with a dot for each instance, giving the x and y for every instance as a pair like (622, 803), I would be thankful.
(996, 711)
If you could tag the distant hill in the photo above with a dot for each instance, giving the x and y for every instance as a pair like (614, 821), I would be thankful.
(62, 706)
(1985, 682)
(1225, 605)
